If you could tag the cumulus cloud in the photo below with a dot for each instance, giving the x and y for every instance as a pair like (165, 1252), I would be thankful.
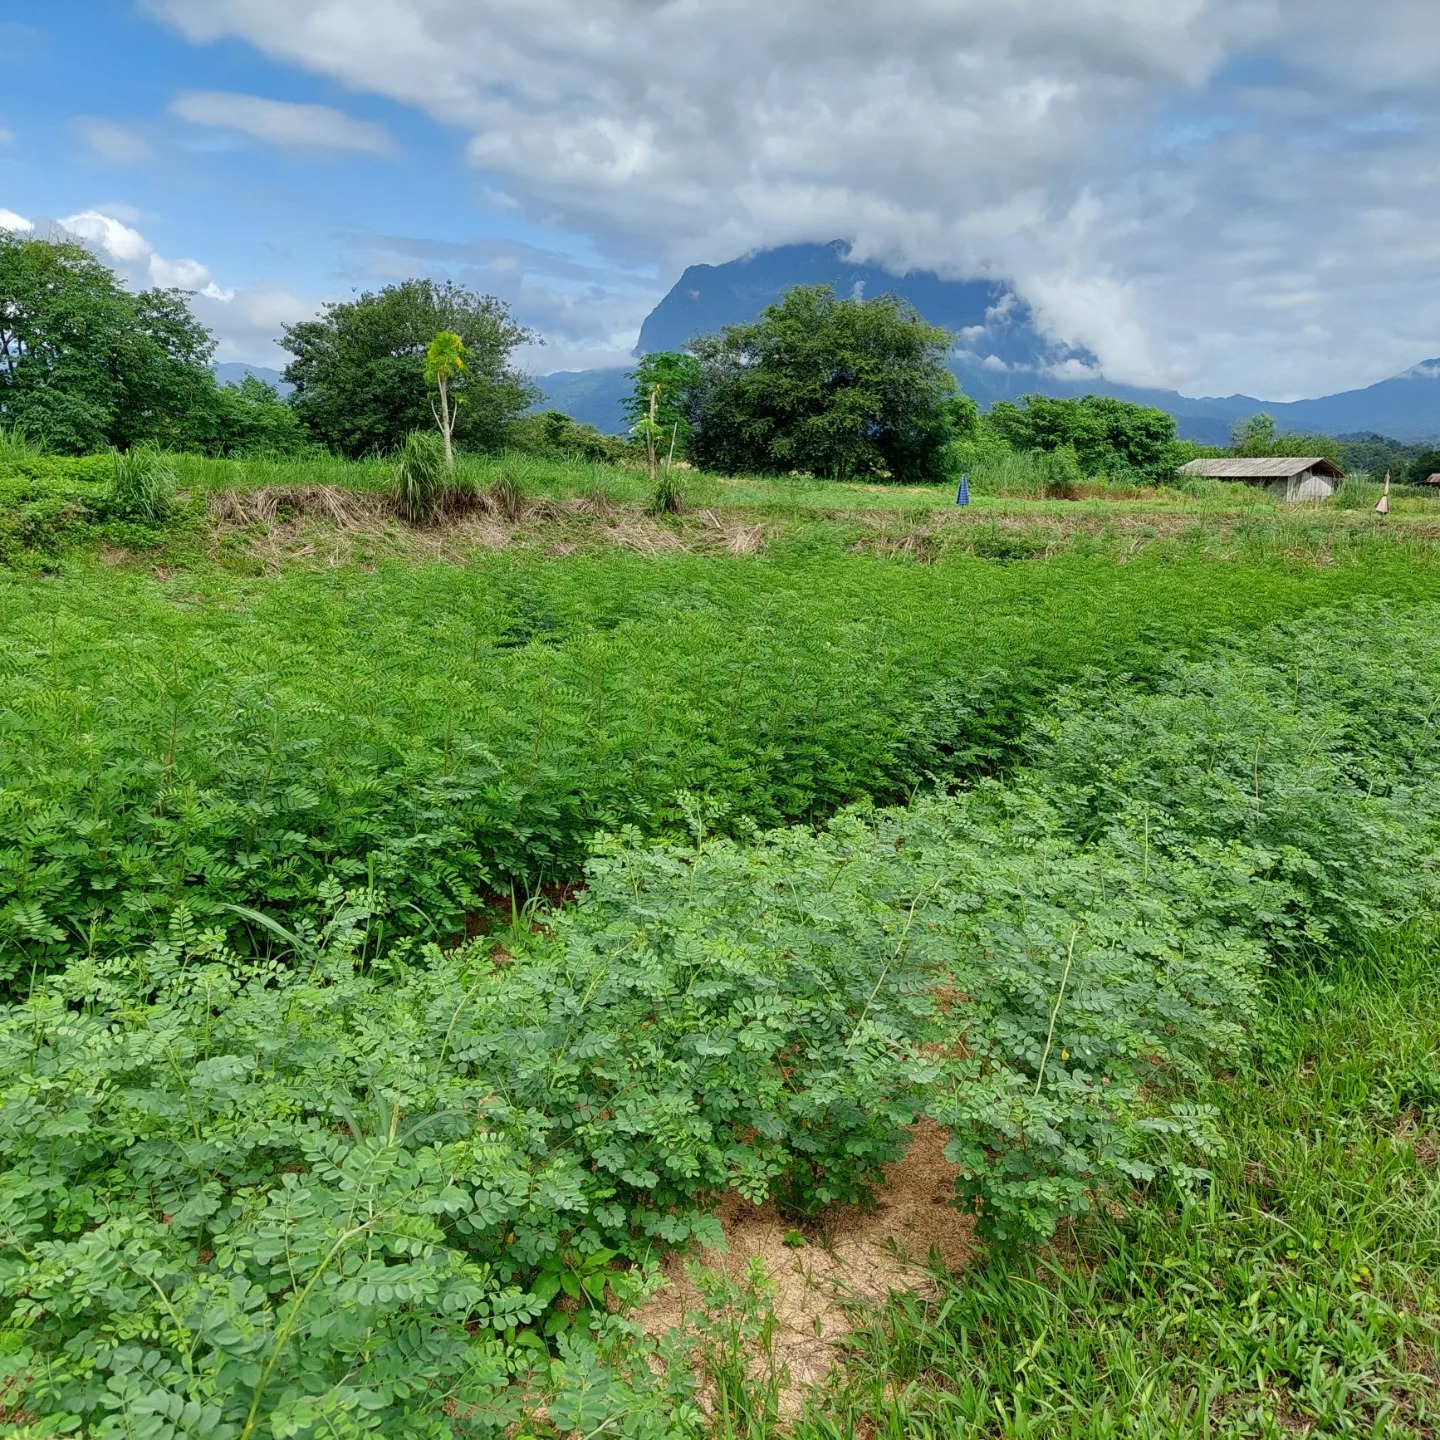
(247, 324)
(587, 313)
(9, 220)
(135, 258)
(281, 123)
(1218, 194)
(112, 142)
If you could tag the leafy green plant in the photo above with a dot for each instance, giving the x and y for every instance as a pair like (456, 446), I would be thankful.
(1300, 1290)
(377, 1186)
(140, 488)
(438, 731)
(421, 481)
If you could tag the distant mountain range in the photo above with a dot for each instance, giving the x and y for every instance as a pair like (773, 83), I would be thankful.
(999, 354)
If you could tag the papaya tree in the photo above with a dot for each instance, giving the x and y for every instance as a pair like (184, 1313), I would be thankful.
(444, 368)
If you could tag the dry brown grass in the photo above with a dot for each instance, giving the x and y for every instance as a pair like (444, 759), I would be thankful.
(325, 527)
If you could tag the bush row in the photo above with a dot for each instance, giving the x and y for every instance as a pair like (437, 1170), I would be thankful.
(242, 1197)
(438, 732)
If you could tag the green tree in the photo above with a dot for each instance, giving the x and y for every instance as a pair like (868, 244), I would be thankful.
(666, 382)
(445, 369)
(84, 363)
(1108, 436)
(1260, 436)
(847, 389)
(1255, 436)
(251, 419)
(359, 369)
(1423, 466)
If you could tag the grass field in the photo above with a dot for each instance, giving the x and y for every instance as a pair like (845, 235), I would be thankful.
(289, 788)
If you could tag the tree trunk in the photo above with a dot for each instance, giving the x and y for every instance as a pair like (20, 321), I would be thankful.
(447, 424)
(650, 437)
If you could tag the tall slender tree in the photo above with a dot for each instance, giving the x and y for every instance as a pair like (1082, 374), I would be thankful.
(445, 368)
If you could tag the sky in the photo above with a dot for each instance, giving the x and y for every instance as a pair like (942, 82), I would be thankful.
(1211, 195)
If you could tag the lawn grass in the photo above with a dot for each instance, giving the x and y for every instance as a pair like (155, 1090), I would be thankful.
(1298, 1294)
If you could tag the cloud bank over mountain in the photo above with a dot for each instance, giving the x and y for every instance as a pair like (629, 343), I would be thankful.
(1221, 194)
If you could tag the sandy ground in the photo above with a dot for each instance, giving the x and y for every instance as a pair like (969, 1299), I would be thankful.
(849, 1253)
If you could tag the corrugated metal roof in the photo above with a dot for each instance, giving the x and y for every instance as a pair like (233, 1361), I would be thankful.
(1266, 467)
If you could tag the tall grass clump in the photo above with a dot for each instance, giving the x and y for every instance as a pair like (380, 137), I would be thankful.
(668, 497)
(422, 480)
(140, 488)
(16, 444)
(1356, 492)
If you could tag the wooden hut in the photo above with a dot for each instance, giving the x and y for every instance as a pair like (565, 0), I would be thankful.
(1288, 477)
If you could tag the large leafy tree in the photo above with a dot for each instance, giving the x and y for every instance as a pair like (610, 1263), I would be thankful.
(847, 389)
(1259, 435)
(359, 369)
(1108, 436)
(85, 363)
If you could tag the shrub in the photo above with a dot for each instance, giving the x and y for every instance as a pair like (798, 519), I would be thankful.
(140, 488)
(553, 434)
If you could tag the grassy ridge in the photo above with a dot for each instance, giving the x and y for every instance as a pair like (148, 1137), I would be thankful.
(435, 729)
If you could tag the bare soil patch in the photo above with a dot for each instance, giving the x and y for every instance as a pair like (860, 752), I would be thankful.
(851, 1256)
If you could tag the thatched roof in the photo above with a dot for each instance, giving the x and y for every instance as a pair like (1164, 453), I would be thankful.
(1264, 467)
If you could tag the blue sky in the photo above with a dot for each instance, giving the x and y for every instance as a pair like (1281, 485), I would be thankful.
(1212, 194)
(95, 120)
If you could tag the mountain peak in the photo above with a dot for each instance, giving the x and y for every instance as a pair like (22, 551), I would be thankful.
(1000, 352)
(989, 320)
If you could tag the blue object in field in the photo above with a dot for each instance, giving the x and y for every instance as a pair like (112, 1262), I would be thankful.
(962, 495)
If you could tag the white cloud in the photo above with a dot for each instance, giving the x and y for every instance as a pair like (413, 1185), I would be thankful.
(588, 315)
(135, 257)
(247, 325)
(1149, 174)
(9, 220)
(281, 123)
(112, 142)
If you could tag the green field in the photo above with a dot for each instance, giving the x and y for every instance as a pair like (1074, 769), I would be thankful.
(409, 935)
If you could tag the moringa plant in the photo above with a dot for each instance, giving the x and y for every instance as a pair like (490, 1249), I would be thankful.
(444, 366)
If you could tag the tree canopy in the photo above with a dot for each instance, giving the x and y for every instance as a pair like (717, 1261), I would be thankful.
(1108, 436)
(1260, 436)
(677, 377)
(359, 369)
(842, 388)
(86, 364)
